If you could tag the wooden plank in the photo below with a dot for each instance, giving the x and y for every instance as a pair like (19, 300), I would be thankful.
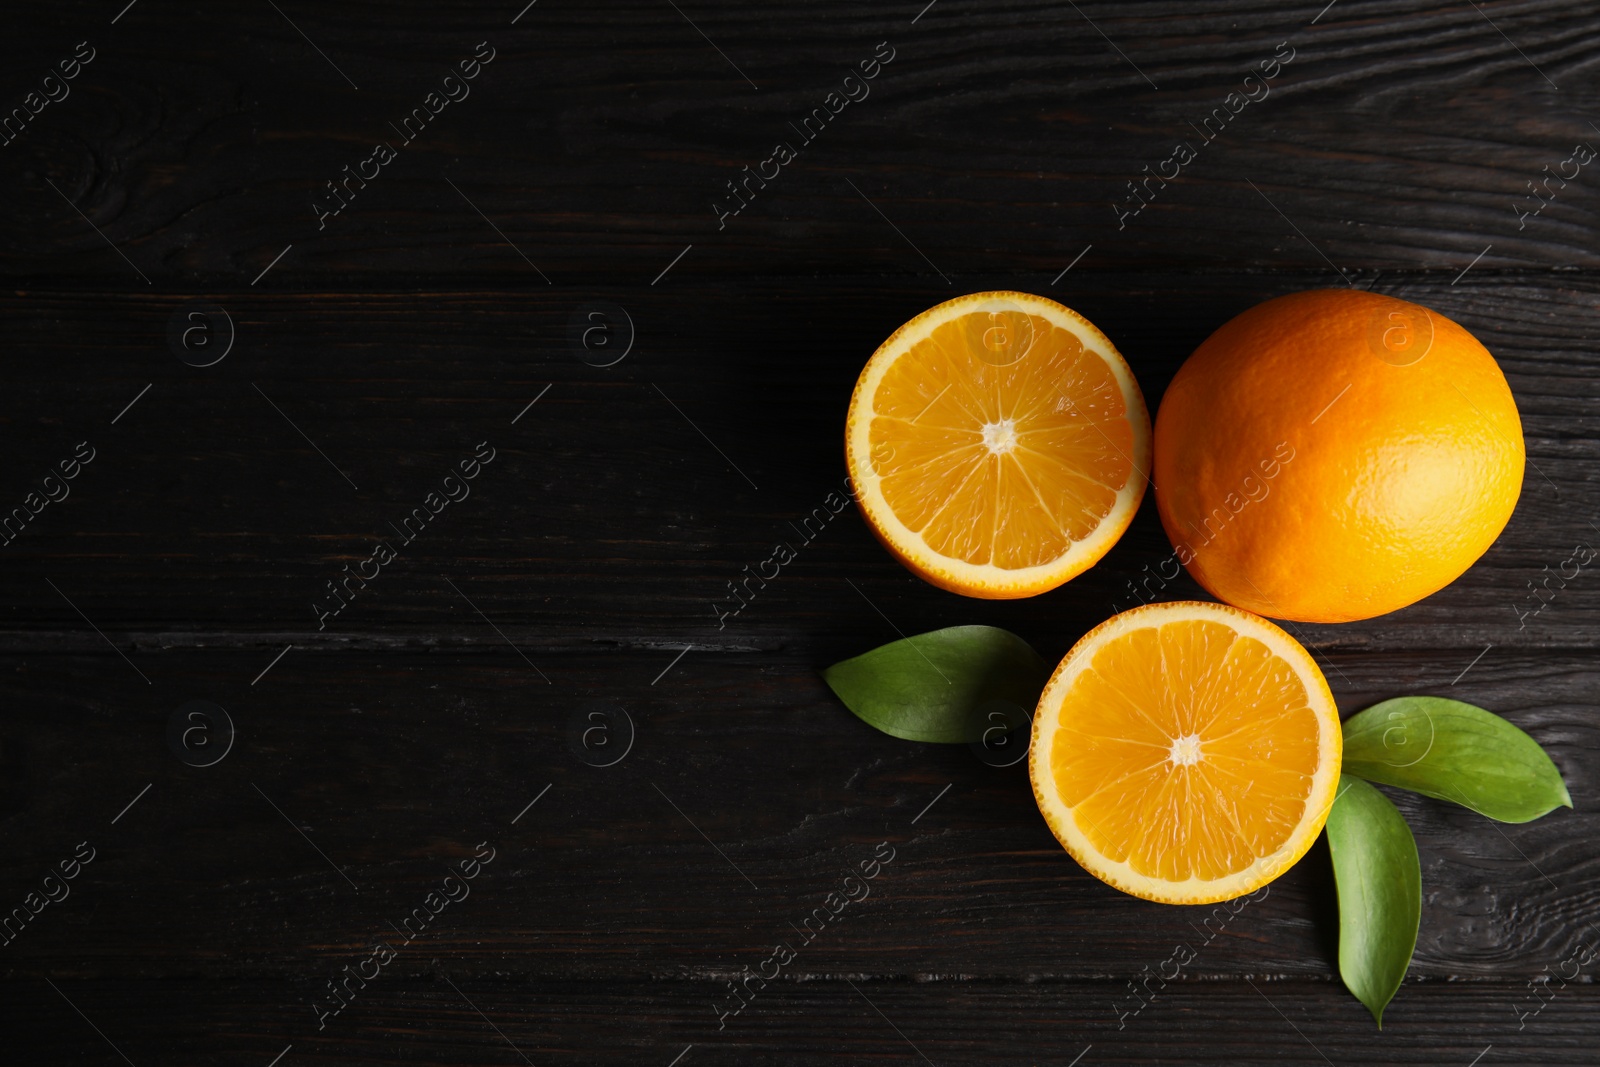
(1401, 135)
(430, 1012)
(356, 781)
(623, 502)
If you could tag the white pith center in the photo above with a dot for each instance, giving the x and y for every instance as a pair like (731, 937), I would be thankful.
(1000, 437)
(1185, 751)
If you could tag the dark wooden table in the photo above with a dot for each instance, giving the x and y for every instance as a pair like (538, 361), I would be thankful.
(169, 205)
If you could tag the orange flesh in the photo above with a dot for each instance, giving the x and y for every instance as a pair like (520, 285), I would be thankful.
(1001, 464)
(1186, 750)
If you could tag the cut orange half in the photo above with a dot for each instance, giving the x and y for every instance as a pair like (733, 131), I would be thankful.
(1186, 752)
(998, 444)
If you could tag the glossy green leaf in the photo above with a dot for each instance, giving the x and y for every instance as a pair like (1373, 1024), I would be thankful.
(931, 687)
(1454, 751)
(1380, 892)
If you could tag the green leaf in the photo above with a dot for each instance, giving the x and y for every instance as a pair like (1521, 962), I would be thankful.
(930, 687)
(1454, 751)
(1380, 892)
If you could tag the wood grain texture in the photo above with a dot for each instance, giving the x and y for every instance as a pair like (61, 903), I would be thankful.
(376, 349)
(1401, 135)
(623, 503)
(414, 1016)
(747, 796)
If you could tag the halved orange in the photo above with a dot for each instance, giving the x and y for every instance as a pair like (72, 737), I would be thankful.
(998, 444)
(1186, 752)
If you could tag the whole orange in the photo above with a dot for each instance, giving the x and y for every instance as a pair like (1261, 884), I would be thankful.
(1334, 455)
